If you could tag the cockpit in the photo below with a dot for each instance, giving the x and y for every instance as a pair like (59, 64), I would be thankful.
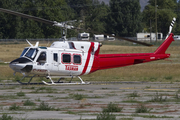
(29, 53)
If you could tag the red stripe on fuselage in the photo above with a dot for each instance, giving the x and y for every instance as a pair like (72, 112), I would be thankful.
(88, 58)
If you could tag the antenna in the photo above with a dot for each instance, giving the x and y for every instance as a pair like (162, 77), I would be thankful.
(171, 27)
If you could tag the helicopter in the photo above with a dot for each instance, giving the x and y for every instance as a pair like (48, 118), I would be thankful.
(69, 59)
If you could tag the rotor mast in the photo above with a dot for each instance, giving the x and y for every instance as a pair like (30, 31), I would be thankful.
(64, 27)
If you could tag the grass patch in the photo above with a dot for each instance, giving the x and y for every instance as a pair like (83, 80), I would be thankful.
(111, 107)
(168, 77)
(6, 117)
(134, 94)
(131, 101)
(71, 112)
(2, 63)
(150, 116)
(106, 116)
(20, 94)
(106, 113)
(142, 109)
(14, 107)
(28, 103)
(158, 98)
(45, 90)
(77, 96)
(126, 119)
(44, 107)
(10, 96)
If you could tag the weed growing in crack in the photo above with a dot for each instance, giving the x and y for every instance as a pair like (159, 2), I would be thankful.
(134, 94)
(77, 96)
(28, 103)
(20, 94)
(158, 98)
(44, 106)
(106, 116)
(14, 107)
(106, 113)
(111, 107)
(6, 117)
(45, 90)
(142, 109)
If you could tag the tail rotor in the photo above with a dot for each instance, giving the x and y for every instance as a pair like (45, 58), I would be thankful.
(171, 27)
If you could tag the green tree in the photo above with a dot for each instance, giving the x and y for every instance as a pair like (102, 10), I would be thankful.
(125, 17)
(97, 18)
(81, 7)
(8, 22)
(56, 10)
(91, 12)
(17, 27)
(177, 29)
(165, 13)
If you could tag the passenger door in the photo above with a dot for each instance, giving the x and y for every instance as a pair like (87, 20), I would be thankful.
(55, 61)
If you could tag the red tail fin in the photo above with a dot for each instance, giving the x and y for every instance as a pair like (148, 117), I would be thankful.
(162, 49)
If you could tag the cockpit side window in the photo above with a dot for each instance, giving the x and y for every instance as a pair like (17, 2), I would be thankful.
(42, 58)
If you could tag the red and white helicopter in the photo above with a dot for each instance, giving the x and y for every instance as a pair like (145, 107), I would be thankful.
(75, 58)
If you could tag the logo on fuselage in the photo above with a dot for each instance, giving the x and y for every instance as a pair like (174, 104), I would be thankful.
(71, 67)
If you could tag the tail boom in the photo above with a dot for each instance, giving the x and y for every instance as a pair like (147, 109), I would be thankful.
(106, 61)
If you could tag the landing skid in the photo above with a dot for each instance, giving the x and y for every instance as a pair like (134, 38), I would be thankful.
(59, 82)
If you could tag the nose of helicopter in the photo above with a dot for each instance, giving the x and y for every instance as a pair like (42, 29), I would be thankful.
(21, 65)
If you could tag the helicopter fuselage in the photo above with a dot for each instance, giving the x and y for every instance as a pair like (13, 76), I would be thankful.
(62, 58)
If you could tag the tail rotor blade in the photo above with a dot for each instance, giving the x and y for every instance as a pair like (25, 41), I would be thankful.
(171, 27)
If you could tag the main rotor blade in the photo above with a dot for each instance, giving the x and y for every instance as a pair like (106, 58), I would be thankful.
(134, 41)
(130, 40)
(27, 16)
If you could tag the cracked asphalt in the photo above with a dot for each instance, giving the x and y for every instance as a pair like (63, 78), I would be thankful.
(74, 102)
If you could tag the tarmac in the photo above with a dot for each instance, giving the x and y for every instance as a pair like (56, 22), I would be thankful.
(75, 102)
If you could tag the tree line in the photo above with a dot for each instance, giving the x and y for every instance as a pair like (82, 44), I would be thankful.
(120, 17)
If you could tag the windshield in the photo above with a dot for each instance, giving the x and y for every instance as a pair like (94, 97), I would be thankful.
(24, 51)
(31, 53)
